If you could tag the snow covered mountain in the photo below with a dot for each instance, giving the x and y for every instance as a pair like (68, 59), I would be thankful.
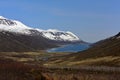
(15, 36)
(52, 34)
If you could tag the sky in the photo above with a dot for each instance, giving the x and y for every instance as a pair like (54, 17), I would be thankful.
(90, 20)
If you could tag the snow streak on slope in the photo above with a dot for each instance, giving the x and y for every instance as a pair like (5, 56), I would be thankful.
(18, 27)
(54, 34)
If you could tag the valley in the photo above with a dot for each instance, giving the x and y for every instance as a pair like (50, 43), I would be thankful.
(34, 54)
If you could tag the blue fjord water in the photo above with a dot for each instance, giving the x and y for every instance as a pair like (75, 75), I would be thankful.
(70, 48)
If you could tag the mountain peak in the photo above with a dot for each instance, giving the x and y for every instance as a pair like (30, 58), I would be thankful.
(6, 22)
(118, 36)
(12, 25)
(1, 17)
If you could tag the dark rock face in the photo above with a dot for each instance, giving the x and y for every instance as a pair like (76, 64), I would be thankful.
(7, 22)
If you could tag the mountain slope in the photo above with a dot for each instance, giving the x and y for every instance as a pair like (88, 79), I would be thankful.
(102, 53)
(17, 42)
(8, 44)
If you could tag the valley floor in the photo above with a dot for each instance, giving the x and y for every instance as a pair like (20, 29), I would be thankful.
(29, 66)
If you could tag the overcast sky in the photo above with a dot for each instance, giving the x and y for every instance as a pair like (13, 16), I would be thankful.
(91, 20)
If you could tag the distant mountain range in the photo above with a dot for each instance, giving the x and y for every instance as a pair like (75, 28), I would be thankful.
(15, 36)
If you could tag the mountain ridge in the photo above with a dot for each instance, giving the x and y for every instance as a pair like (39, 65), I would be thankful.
(15, 36)
(18, 27)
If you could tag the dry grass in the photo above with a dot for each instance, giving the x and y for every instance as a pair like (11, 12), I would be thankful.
(81, 76)
(101, 61)
(11, 70)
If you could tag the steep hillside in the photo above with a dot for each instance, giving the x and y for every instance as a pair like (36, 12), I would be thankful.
(10, 42)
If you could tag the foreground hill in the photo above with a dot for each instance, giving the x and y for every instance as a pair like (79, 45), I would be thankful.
(103, 53)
